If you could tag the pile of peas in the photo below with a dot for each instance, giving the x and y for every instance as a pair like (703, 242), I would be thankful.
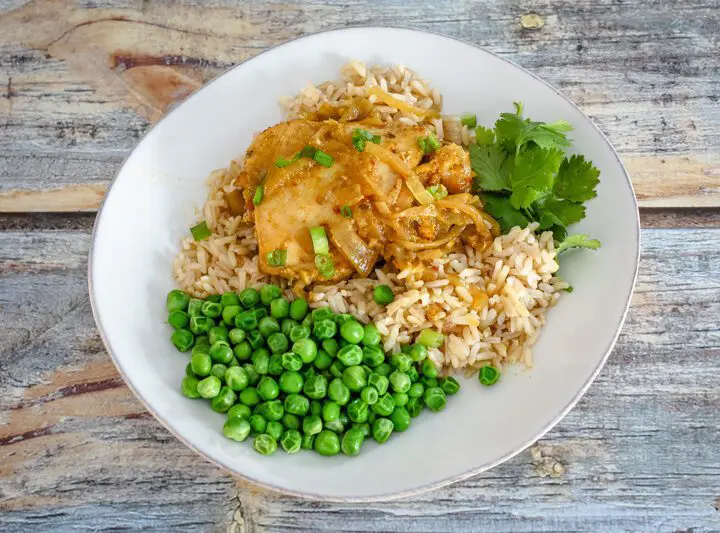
(298, 378)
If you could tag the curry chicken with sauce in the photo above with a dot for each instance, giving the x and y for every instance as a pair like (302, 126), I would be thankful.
(368, 191)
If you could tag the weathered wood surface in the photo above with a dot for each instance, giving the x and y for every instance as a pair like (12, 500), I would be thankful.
(641, 451)
(80, 82)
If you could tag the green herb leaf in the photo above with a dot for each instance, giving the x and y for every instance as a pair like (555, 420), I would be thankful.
(492, 167)
(576, 179)
(502, 210)
(514, 132)
(579, 240)
(533, 175)
(555, 212)
(484, 135)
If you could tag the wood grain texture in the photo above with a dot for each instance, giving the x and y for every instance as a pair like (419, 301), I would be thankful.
(641, 451)
(80, 82)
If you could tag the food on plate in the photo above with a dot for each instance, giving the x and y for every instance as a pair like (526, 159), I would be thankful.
(437, 235)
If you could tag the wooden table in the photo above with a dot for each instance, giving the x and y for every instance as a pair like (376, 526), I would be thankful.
(80, 82)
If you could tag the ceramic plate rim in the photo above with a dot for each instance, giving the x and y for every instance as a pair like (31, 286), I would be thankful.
(430, 486)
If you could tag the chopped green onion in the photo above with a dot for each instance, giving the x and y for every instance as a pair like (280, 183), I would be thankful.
(359, 143)
(429, 143)
(259, 193)
(323, 158)
(325, 265)
(488, 375)
(200, 232)
(438, 191)
(282, 162)
(569, 288)
(376, 139)
(360, 138)
(319, 240)
(308, 151)
(364, 134)
(431, 338)
(468, 119)
(277, 258)
(346, 211)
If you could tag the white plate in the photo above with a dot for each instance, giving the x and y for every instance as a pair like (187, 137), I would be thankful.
(153, 201)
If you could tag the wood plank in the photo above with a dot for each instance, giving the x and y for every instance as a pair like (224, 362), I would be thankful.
(82, 86)
(640, 452)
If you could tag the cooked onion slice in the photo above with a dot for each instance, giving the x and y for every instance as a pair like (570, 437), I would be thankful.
(352, 246)
(390, 100)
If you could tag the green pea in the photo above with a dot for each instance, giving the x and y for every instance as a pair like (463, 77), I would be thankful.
(249, 396)
(291, 382)
(429, 382)
(291, 421)
(380, 382)
(307, 321)
(352, 331)
(275, 430)
(249, 297)
(331, 347)
(364, 428)
(351, 355)
(214, 298)
(286, 326)
(415, 406)
(298, 309)
(418, 352)
(201, 364)
(354, 378)
(195, 307)
(189, 387)
(312, 425)
(255, 339)
(246, 320)
(429, 369)
(373, 356)
(179, 319)
(335, 425)
(383, 295)
(209, 387)
(307, 442)
(401, 362)
(413, 374)
(327, 443)
(400, 381)
(382, 429)
(236, 429)
(337, 368)
(177, 300)
(229, 298)
(341, 318)
(371, 335)
(322, 313)
(357, 410)
(384, 406)
(275, 367)
(306, 349)
(400, 419)
(299, 332)
(211, 309)
(201, 341)
(315, 387)
(236, 335)
(279, 308)
(233, 362)
(243, 350)
(261, 361)
(383, 369)
(264, 444)
(434, 399)
(218, 370)
(338, 392)
(253, 376)
(189, 371)
(268, 293)
(267, 326)
(367, 370)
(330, 411)
(416, 390)
(258, 424)
(291, 361)
(344, 420)
(369, 395)
(488, 375)
(220, 352)
(316, 408)
(277, 342)
(224, 400)
(449, 385)
(296, 404)
(323, 360)
(268, 388)
(325, 329)
(272, 410)
(239, 410)
(352, 442)
(291, 440)
(401, 399)
(182, 339)
(229, 313)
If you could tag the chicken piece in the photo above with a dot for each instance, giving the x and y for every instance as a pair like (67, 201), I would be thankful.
(449, 166)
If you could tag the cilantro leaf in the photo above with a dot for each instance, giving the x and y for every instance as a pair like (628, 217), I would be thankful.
(492, 166)
(484, 135)
(502, 210)
(576, 179)
(554, 212)
(514, 132)
(550, 135)
(579, 240)
(533, 175)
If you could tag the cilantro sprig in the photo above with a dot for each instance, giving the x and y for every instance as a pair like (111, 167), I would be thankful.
(525, 176)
